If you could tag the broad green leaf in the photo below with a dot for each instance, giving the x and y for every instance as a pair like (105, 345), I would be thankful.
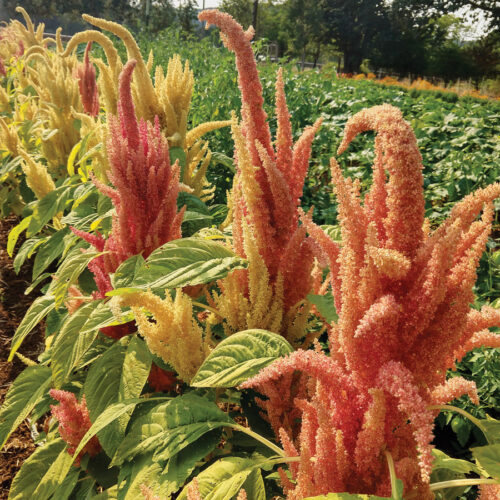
(57, 478)
(239, 357)
(103, 316)
(135, 372)
(25, 392)
(192, 203)
(168, 428)
(109, 494)
(14, 234)
(443, 461)
(118, 375)
(223, 479)
(325, 306)
(224, 160)
(35, 468)
(254, 485)
(181, 465)
(187, 261)
(49, 252)
(125, 273)
(47, 208)
(26, 251)
(108, 416)
(194, 221)
(334, 232)
(68, 273)
(491, 429)
(40, 307)
(488, 458)
(101, 390)
(71, 344)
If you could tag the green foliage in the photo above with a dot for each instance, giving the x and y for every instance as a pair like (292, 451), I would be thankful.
(239, 357)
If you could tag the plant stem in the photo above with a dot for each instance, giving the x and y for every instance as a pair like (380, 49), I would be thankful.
(392, 472)
(466, 414)
(208, 308)
(461, 482)
(258, 437)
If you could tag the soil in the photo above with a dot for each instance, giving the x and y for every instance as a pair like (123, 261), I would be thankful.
(13, 305)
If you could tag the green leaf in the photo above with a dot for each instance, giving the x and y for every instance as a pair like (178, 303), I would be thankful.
(240, 357)
(491, 429)
(14, 234)
(168, 428)
(47, 208)
(118, 375)
(101, 390)
(57, 478)
(187, 261)
(135, 372)
(194, 221)
(325, 306)
(443, 461)
(125, 273)
(50, 251)
(224, 160)
(177, 153)
(35, 468)
(181, 465)
(192, 203)
(108, 416)
(26, 251)
(223, 479)
(71, 344)
(25, 392)
(40, 307)
(488, 458)
(68, 273)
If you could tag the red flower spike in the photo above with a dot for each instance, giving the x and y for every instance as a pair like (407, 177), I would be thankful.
(87, 84)
(74, 422)
(144, 194)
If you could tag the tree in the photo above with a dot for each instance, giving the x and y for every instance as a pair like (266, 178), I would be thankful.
(355, 25)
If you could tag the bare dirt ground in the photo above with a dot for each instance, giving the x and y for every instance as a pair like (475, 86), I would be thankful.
(13, 305)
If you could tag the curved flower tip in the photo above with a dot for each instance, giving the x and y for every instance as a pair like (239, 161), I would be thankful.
(396, 151)
(238, 41)
(74, 422)
(130, 127)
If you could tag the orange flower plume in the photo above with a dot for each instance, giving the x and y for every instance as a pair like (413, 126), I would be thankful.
(268, 184)
(403, 299)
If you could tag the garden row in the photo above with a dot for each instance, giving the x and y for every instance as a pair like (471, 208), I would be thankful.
(199, 346)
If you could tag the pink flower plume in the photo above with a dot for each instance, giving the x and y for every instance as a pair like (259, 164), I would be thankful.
(74, 422)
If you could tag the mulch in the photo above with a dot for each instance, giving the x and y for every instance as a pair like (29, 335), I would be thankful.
(13, 305)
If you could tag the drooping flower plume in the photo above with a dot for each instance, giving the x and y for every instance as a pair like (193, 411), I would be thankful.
(145, 189)
(265, 197)
(403, 295)
(87, 84)
(74, 422)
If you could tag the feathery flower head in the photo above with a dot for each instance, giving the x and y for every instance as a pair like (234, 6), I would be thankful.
(403, 296)
(74, 422)
(144, 193)
(87, 84)
(265, 197)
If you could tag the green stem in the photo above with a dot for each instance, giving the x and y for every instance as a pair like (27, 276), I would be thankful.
(208, 308)
(461, 482)
(392, 472)
(466, 414)
(258, 437)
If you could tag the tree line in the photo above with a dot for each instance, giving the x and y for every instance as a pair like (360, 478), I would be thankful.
(403, 37)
